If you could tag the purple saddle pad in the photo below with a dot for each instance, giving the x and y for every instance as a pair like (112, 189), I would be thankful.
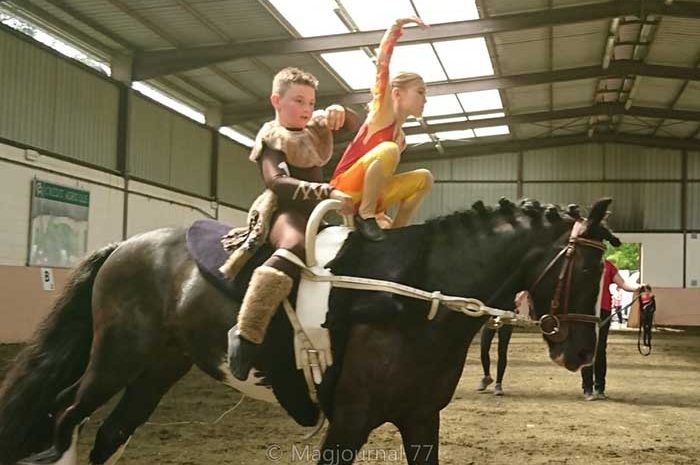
(204, 244)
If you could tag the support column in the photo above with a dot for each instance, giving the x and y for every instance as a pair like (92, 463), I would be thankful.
(213, 117)
(121, 71)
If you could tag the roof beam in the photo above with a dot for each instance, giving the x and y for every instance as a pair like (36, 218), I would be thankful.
(609, 109)
(511, 146)
(148, 65)
(233, 113)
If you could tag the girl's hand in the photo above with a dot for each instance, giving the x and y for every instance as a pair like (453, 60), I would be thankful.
(411, 20)
(347, 208)
(335, 117)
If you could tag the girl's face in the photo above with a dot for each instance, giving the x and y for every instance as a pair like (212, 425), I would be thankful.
(412, 99)
(295, 106)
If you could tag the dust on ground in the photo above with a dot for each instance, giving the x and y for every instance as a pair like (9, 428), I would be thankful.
(652, 415)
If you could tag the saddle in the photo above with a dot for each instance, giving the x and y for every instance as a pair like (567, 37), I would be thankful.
(312, 346)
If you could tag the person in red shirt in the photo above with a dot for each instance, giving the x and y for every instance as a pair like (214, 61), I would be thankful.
(594, 375)
(366, 169)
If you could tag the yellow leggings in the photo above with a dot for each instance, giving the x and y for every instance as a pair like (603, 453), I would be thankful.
(399, 187)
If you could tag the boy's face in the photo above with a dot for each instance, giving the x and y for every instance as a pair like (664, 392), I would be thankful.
(295, 106)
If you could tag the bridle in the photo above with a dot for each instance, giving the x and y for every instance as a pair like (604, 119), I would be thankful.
(551, 323)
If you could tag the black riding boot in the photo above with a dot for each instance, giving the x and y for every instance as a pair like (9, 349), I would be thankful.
(241, 354)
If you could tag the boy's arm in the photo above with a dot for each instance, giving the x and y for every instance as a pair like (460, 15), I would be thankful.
(353, 121)
(275, 173)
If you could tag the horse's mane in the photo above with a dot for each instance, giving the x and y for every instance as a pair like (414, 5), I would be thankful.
(528, 213)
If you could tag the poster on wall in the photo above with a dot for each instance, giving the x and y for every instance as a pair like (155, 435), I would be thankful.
(58, 225)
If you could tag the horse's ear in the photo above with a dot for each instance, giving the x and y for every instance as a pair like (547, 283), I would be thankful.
(599, 210)
(613, 239)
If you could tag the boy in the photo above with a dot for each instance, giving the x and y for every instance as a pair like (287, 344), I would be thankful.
(291, 151)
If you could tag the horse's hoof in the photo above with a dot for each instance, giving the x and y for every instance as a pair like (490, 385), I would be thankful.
(48, 456)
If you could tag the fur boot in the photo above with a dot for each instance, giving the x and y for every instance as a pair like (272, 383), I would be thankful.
(267, 289)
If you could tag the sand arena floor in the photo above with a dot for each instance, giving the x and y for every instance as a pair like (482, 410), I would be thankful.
(652, 416)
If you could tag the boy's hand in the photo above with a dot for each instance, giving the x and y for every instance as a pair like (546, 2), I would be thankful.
(412, 19)
(335, 117)
(347, 208)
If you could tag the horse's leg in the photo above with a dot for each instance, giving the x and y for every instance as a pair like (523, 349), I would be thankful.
(118, 356)
(346, 434)
(138, 403)
(420, 434)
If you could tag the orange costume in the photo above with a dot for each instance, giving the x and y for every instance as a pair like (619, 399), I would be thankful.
(379, 140)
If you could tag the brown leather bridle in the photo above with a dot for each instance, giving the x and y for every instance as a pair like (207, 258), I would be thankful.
(550, 324)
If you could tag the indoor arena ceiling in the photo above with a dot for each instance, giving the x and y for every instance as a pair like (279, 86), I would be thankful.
(502, 74)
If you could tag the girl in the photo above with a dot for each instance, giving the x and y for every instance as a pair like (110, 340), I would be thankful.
(366, 169)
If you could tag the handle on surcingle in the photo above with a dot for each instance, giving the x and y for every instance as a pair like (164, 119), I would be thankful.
(321, 210)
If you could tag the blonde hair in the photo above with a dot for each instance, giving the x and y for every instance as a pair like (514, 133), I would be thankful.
(405, 78)
(284, 79)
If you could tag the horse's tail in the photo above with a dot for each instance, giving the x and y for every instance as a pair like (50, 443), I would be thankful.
(53, 360)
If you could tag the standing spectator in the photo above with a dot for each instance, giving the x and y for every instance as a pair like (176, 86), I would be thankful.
(617, 303)
(594, 375)
(504, 333)
(522, 302)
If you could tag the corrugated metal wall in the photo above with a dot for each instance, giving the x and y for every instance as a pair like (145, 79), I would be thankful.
(167, 148)
(460, 182)
(55, 105)
(644, 182)
(239, 181)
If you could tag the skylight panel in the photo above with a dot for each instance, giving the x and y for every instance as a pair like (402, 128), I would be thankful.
(453, 119)
(315, 18)
(492, 131)
(370, 15)
(480, 100)
(411, 124)
(55, 43)
(446, 11)
(414, 139)
(499, 114)
(465, 58)
(354, 66)
(237, 136)
(442, 105)
(419, 58)
(455, 135)
(168, 101)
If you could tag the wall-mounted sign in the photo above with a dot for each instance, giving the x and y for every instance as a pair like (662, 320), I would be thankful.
(58, 225)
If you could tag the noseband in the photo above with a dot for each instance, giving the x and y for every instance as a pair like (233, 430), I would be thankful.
(550, 324)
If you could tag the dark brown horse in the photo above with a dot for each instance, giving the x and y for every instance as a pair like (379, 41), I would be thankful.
(137, 315)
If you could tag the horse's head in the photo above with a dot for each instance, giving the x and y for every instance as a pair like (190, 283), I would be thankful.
(564, 282)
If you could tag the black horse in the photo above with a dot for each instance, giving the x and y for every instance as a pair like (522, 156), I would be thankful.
(138, 314)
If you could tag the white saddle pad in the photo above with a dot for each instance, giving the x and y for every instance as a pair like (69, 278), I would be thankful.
(312, 298)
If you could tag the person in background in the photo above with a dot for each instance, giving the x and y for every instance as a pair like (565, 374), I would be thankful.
(647, 308)
(617, 303)
(593, 376)
(522, 303)
(504, 333)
